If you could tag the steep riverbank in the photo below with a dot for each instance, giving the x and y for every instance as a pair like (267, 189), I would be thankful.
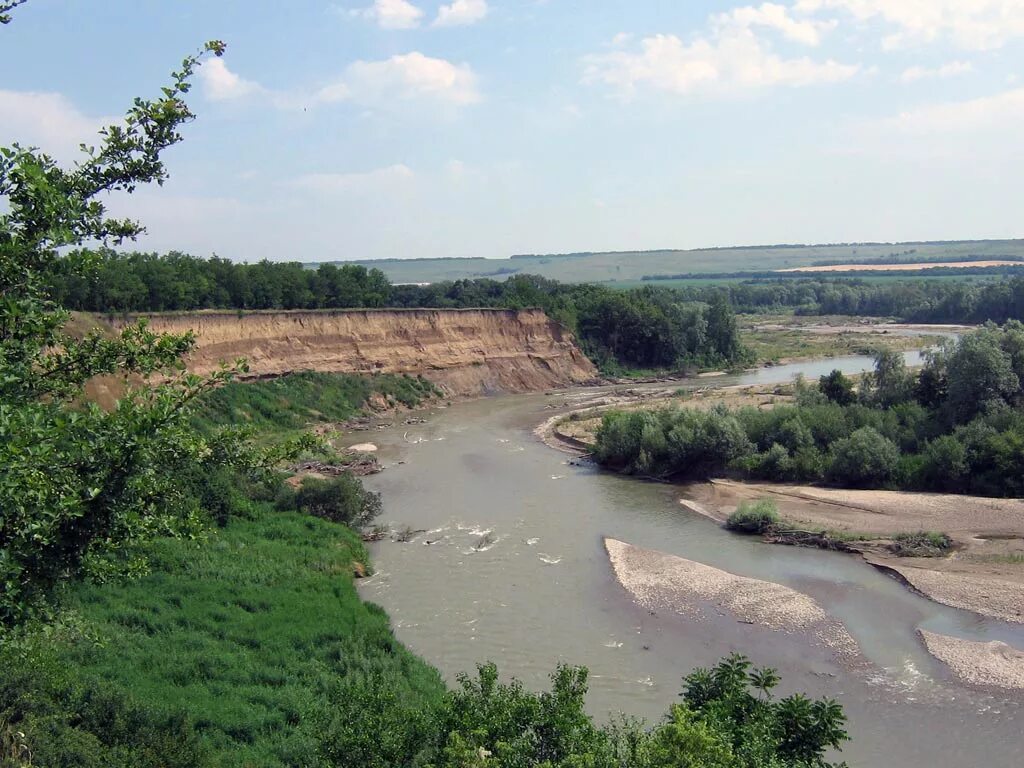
(464, 352)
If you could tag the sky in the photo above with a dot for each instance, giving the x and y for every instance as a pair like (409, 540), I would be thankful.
(362, 129)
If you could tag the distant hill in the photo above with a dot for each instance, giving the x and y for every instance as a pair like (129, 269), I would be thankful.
(628, 266)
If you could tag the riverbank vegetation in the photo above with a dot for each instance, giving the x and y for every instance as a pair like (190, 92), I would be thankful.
(297, 400)
(166, 603)
(620, 330)
(955, 426)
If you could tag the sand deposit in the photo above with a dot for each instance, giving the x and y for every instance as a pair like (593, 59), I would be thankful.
(658, 579)
(992, 664)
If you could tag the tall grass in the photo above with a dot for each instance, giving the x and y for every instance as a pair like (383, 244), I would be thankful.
(298, 399)
(759, 516)
(247, 633)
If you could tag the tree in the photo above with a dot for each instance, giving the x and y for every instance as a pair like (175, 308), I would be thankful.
(722, 333)
(978, 372)
(79, 485)
(341, 499)
(837, 388)
(889, 383)
(865, 458)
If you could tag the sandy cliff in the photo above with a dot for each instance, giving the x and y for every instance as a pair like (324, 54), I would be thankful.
(465, 352)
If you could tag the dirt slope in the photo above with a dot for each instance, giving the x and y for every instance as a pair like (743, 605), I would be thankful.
(465, 352)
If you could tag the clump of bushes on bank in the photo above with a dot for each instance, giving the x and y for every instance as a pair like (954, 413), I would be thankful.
(921, 544)
(758, 517)
(955, 426)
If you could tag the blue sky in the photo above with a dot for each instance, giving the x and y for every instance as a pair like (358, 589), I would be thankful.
(414, 128)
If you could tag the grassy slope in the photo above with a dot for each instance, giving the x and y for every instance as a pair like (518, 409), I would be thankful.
(294, 401)
(247, 632)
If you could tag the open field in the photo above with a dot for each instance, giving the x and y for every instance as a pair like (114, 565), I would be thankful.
(617, 266)
(787, 338)
(905, 267)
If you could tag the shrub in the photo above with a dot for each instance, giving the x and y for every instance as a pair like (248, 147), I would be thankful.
(341, 499)
(837, 388)
(759, 517)
(865, 458)
(921, 544)
(945, 464)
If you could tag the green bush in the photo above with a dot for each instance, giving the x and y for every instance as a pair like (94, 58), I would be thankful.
(341, 499)
(69, 721)
(837, 388)
(865, 458)
(761, 516)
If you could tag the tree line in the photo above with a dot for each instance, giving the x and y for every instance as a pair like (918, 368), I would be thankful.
(645, 328)
(957, 425)
(113, 282)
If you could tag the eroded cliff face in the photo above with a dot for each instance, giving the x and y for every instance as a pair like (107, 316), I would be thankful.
(463, 351)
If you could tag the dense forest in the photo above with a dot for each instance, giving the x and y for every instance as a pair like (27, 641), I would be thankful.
(957, 425)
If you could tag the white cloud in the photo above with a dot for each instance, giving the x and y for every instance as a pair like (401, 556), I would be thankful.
(1002, 110)
(341, 182)
(221, 84)
(48, 121)
(951, 69)
(392, 14)
(732, 59)
(461, 13)
(970, 24)
(777, 17)
(404, 77)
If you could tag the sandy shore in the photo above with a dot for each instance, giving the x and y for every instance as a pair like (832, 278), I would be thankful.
(992, 664)
(984, 574)
(657, 579)
(989, 595)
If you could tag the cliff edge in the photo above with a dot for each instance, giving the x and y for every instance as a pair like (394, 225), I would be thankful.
(465, 352)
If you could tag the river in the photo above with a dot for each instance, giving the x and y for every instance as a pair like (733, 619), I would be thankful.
(540, 590)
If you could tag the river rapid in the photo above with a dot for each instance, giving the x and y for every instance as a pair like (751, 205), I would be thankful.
(512, 569)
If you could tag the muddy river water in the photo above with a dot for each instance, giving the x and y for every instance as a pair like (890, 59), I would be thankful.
(513, 569)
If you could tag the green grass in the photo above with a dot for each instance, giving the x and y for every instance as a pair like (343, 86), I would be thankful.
(631, 266)
(247, 633)
(298, 399)
(759, 517)
(771, 345)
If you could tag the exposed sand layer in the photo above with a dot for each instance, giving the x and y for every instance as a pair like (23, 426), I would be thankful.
(465, 352)
(905, 267)
(658, 579)
(992, 664)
